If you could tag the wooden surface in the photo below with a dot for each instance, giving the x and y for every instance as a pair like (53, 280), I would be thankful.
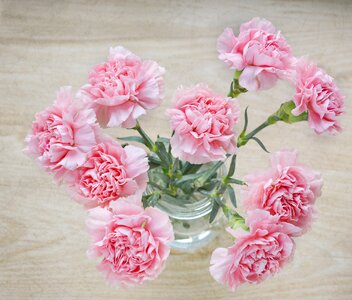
(47, 44)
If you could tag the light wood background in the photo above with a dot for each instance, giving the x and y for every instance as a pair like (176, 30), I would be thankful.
(47, 44)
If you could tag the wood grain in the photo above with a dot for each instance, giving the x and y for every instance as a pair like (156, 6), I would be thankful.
(47, 44)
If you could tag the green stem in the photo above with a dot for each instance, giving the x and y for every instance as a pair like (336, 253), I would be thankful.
(255, 131)
(149, 143)
(284, 114)
(155, 149)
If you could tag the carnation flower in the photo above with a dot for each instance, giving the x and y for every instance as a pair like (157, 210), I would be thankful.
(260, 51)
(317, 94)
(255, 255)
(123, 88)
(109, 173)
(204, 125)
(62, 134)
(131, 242)
(288, 190)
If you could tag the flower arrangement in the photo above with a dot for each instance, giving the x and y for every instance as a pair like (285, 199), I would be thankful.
(122, 186)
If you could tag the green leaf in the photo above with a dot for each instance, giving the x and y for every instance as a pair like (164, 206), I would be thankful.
(175, 165)
(260, 143)
(222, 189)
(145, 200)
(189, 177)
(154, 162)
(150, 200)
(186, 188)
(232, 195)
(245, 120)
(158, 176)
(232, 166)
(189, 168)
(235, 181)
(231, 92)
(209, 173)
(214, 211)
(163, 140)
(209, 186)
(154, 199)
(136, 139)
(154, 159)
(153, 165)
(166, 142)
(163, 154)
(155, 185)
(219, 200)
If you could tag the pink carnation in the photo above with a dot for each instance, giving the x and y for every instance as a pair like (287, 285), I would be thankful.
(62, 134)
(204, 125)
(132, 242)
(317, 94)
(257, 254)
(260, 51)
(288, 190)
(109, 173)
(123, 88)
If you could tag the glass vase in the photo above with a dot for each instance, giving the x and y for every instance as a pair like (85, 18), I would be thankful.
(189, 215)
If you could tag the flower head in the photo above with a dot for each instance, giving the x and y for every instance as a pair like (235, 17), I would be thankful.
(260, 51)
(62, 134)
(204, 125)
(317, 94)
(131, 242)
(287, 190)
(109, 173)
(123, 88)
(255, 255)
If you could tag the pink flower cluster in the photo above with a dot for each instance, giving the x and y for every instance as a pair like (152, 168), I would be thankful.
(287, 190)
(131, 242)
(106, 178)
(204, 125)
(317, 94)
(123, 88)
(109, 173)
(263, 56)
(279, 204)
(256, 254)
(62, 135)
(259, 51)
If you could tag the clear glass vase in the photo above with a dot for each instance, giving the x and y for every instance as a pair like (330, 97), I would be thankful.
(189, 215)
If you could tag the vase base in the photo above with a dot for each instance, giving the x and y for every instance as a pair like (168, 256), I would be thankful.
(194, 242)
